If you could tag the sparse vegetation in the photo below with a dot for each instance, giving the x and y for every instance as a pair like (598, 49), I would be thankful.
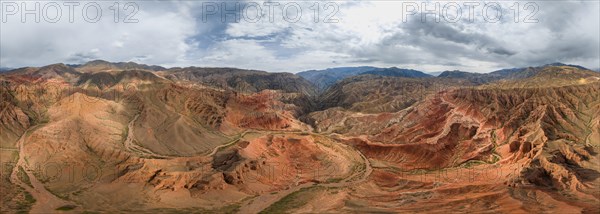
(66, 208)
(24, 177)
(292, 201)
(495, 158)
(472, 163)
(229, 209)
(333, 180)
(24, 204)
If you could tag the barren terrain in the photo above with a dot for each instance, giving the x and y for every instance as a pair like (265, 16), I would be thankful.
(123, 137)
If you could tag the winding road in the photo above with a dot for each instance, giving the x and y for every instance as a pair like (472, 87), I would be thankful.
(46, 201)
(234, 141)
(136, 149)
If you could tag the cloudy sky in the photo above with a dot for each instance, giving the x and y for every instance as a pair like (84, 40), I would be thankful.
(293, 36)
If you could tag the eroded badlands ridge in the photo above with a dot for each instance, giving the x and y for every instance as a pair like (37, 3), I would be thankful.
(127, 137)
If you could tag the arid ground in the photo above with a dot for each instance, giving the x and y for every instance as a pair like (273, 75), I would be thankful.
(123, 137)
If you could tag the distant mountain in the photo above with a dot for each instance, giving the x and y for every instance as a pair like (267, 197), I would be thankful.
(397, 72)
(57, 71)
(101, 65)
(323, 79)
(477, 78)
(435, 74)
(242, 80)
(563, 64)
(378, 93)
(104, 80)
(520, 73)
(509, 73)
(327, 77)
(458, 74)
(3, 69)
(548, 76)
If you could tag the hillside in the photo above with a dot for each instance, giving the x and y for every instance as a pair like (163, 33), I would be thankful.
(101, 65)
(398, 72)
(242, 80)
(513, 74)
(536, 136)
(375, 93)
(325, 78)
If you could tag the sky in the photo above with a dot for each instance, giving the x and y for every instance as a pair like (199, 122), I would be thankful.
(293, 36)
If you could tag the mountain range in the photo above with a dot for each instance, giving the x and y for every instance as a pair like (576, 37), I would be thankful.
(328, 77)
(114, 137)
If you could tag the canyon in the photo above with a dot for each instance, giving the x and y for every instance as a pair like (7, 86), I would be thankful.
(126, 137)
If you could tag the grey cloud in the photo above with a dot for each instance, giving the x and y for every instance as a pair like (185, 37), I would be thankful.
(566, 32)
(501, 51)
(433, 43)
(445, 43)
(363, 60)
(452, 32)
(82, 57)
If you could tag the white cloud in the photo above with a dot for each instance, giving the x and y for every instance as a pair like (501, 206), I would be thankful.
(160, 36)
(368, 33)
